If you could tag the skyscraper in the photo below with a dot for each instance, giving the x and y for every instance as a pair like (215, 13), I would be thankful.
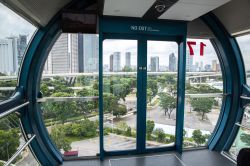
(172, 62)
(115, 62)
(60, 56)
(154, 63)
(128, 59)
(201, 66)
(214, 65)
(74, 53)
(189, 62)
(90, 53)
(80, 53)
(8, 55)
(21, 47)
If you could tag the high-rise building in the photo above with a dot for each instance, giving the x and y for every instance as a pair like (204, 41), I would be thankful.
(80, 53)
(8, 55)
(218, 69)
(196, 66)
(172, 62)
(21, 47)
(115, 62)
(154, 63)
(214, 65)
(201, 66)
(59, 56)
(74, 53)
(189, 62)
(90, 53)
(128, 59)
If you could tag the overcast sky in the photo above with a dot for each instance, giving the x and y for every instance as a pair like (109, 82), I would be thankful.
(12, 24)
(162, 49)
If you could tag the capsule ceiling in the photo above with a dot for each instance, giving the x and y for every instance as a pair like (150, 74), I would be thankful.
(233, 14)
(186, 10)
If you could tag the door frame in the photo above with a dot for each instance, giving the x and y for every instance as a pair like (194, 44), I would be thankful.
(160, 30)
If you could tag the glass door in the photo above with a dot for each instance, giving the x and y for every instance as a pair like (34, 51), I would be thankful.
(161, 92)
(119, 94)
(139, 94)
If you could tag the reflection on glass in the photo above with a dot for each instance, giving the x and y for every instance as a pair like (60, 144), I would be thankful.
(203, 98)
(119, 94)
(70, 95)
(162, 64)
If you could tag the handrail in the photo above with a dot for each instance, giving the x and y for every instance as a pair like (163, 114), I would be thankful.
(13, 110)
(19, 151)
(229, 156)
(243, 126)
(59, 99)
(200, 95)
(245, 97)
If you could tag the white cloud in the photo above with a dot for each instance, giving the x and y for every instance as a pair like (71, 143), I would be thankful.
(13, 24)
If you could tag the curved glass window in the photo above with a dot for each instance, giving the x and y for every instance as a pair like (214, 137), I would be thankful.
(15, 33)
(244, 44)
(204, 88)
(70, 94)
(242, 139)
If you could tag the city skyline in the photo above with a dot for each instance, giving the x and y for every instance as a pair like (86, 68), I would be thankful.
(12, 50)
(73, 53)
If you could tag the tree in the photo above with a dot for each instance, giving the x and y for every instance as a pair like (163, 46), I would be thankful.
(127, 69)
(119, 110)
(167, 80)
(59, 138)
(168, 103)
(149, 95)
(83, 92)
(245, 138)
(45, 90)
(109, 102)
(119, 91)
(184, 133)
(128, 131)
(202, 105)
(160, 135)
(2, 74)
(201, 88)
(64, 109)
(84, 129)
(152, 85)
(59, 88)
(7, 83)
(150, 128)
(198, 137)
(9, 142)
(85, 80)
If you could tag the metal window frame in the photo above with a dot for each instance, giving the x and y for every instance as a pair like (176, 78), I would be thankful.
(29, 78)
(113, 28)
